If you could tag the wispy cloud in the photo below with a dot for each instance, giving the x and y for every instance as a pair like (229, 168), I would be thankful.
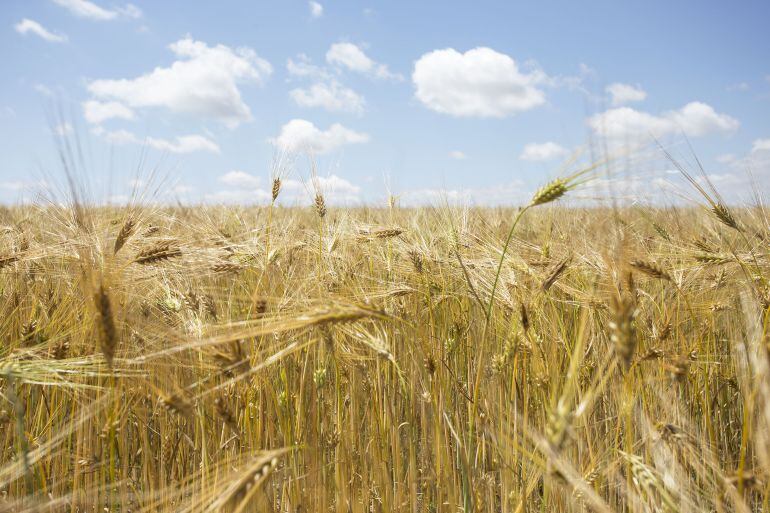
(299, 135)
(92, 11)
(181, 144)
(27, 26)
(351, 57)
(539, 152)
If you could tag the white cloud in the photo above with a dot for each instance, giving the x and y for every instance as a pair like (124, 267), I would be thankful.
(694, 119)
(182, 144)
(349, 56)
(326, 91)
(63, 129)
(240, 179)
(539, 152)
(625, 93)
(182, 189)
(745, 173)
(457, 155)
(303, 67)
(204, 81)
(498, 194)
(302, 135)
(43, 89)
(316, 9)
(96, 112)
(130, 11)
(738, 86)
(760, 145)
(419, 197)
(352, 57)
(27, 26)
(478, 83)
(19, 185)
(726, 158)
(330, 95)
(334, 185)
(337, 190)
(91, 11)
(334, 188)
(240, 196)
(13, 185)
(630, 189)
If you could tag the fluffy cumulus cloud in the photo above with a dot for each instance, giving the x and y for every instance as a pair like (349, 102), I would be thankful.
(97, 112)
(330, 95)
(338, 190)
(334, 188)
(457, 155)
(539, 152)
(325, 91)
(621, 94)
(299, 135)
(316, 9)
(694, 119)
(92, 11)
(182, 144)
(203, 82)
(240, 179)
(478, 83)
(352, 57)
(27, 26)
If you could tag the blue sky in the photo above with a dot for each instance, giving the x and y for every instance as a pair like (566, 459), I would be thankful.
(475, 101)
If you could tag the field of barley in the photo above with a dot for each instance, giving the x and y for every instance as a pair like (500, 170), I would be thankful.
(549, 358)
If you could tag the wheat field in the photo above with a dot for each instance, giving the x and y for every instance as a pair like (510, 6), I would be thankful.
(547, 358)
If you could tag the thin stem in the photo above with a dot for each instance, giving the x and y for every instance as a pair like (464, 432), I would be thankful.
(477, 381)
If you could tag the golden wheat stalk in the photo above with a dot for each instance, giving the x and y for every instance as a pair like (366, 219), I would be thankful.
(725, 216)
(554, 274)
(126, 231)
(550, 192)
(650, 269)
(108, 336)
(622, 326)
(157, 253)
(5, 261)
(320, 205)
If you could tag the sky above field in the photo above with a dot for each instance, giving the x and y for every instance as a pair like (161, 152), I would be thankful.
(478, 102)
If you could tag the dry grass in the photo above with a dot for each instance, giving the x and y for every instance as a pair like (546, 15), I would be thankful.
(378, 360)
